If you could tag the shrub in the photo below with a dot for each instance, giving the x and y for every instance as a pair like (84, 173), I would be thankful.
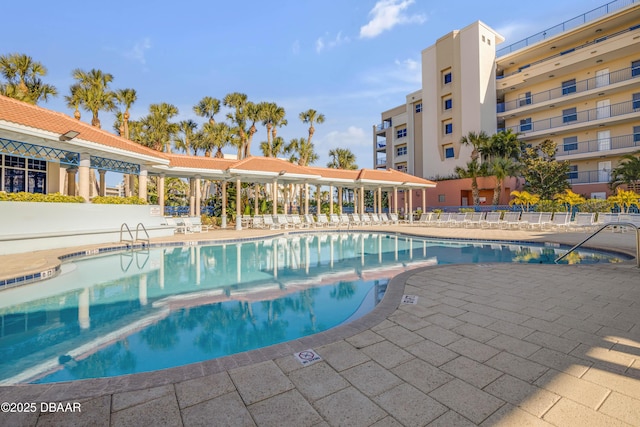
(549, 206)
(115, 200)
(466, 210)
(39, 197)
(595, 205)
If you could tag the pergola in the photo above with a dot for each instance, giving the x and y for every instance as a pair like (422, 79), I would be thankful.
(73, 147)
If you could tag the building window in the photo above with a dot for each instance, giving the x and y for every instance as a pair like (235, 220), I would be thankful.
(447, 77)
(525, 125)
(635, 68)
(569, 115)
(636, 134)
(401, 168)
(569, 86)
(22, 174)
(524, 99)
(448, 103)
(570, 143)
(401, 133)
(441, 198)
(636, 101)
(573, 172)
(448, 152)
(448, 128)
(401, 151)
(419, 108)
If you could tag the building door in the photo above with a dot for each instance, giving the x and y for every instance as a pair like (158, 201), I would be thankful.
(604, 171)
(603, 109)
(604, 140)
(602, 77)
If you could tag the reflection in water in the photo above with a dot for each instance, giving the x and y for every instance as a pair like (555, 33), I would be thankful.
(134, 312)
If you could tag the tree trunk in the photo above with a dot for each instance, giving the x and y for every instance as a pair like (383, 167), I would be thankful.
(475, 191)
(496, 192)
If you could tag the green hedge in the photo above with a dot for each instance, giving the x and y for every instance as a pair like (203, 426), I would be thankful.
(114, 200)
(38, 197)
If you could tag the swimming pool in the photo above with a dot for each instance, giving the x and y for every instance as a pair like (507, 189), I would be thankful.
(131, 312)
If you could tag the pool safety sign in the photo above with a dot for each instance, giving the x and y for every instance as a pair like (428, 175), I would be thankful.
(307, 357)
(409, 299)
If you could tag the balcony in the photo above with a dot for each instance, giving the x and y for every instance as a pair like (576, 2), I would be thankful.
(381, 161)
(600, 145)
(381, 146)
(598, 82)
(565, 26)
(384, 125)
(579, 117)
(589, 177)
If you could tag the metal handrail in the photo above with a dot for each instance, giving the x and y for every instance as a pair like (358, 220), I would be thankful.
(122, 227)
(625, 224)
(141, 225)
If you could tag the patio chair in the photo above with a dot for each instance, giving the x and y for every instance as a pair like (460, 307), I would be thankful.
(474, 219)
(393, 218)
(354, 219)
(269, 223)
(191, 227)
(258, 222)
(312, 222)
(425, 218)
(457, 219)
(334, 220)
(297, 223)
(491, 219)
(282, 222)
(443, 219)
(322, 220)
(561, 220)
(178, 228)
(344, 220)
(365, 219)
(510, 219)
(545, 219)
(582, 221)
(530, 219)
(375, 219)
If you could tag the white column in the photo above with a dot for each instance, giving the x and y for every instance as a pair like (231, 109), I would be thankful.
(410, 192)
(395, 200)
(192, 199)
(331, 200)
(103, 188)
(306, 198)
(71, 181)
(379, 200)
(318, 199)
(275, 197)
(132, 185)
(161, 193)
(361, 200)
(223, 219)
(83, 175)
(142, 182)
(256, 191)
(424, 200)
(196, 190)
(340, 200)
(238, 204)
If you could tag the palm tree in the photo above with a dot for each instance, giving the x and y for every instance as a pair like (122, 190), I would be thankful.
(218, 136)
(624, 199)
(342, 158)
(302, 152)
(524, 199)
(627, 172)
(254, 114)
(75, 99)
(126, 98)
(23, 79)
(188, 130)
(569, 199)
(272, 117)
(311, 116)
(207, 107)
(275, 149)
(473, 171)
(95, 92)
(157, 131)
(501, 168)
(238, 101)
(502, 144)
(478, 141)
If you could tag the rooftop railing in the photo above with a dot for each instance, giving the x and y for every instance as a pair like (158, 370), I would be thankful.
(578, 117)
(566, 25)
(581, 86)
(589, 177)
(599, 145)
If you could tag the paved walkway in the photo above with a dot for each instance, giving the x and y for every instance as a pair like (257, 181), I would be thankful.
(487, 344)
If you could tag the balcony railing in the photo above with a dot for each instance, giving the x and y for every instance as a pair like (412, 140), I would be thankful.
(384, 125)
(589, 177)
(381, 145)
(581, 86)
(567, 51)
(578, 117)
(381, 161)
(565, 26)
(599, 145)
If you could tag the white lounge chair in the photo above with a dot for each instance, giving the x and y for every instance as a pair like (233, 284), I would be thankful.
(178, 228)
(491, 219)
(561, 220)
(510, 219)
(582, 221)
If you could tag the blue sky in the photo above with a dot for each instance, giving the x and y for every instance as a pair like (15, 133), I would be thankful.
(349, 60)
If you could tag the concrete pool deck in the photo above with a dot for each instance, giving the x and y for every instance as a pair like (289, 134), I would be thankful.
(486, 344)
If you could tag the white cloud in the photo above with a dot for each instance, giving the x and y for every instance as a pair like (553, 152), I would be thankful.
(386, 14)
(331, 43)
(351, 137)
(138, 50)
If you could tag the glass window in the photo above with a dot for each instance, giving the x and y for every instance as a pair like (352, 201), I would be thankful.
(636, 134)
(569, 86)
(569, 115)
(37, 181)
(525, 99)
(14, 180)
(570, 143)
(418, 108)
(441, 198)
(401, 133)
(573, 172)
(448, 152)
(448, 104)
(447, 78)
(636, 101)
(39, 165)
(14, 162)
(635, 68)
(525, 125)
(448, 128)
(401, 151)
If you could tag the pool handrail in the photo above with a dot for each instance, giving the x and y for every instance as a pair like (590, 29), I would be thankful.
(625, 224)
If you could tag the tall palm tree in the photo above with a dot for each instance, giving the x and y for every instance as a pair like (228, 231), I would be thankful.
(218, 136)
(275, 149)
(501, 168)
(126, 98)
(502, 144)
(23, 79)
(342, 158)
(627, 172)
(272, 118)
(311, 116)
(75, 99)
(187, 129)
(478, 142)
(302, 152)
(254, 114)
(473, 171)
(157, 130)
(238, 102)
(207, 108)
(96, 95)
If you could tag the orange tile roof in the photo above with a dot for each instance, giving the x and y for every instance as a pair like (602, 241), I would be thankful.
(35, 117)
(199, 162)
(270, 164)
(335, 173)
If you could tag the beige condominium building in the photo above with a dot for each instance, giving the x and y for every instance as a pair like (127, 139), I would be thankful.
(577, 84)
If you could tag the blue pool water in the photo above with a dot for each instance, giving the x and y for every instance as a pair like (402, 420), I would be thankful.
(127, 312)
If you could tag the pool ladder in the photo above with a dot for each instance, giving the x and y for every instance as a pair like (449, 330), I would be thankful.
(131, 239)
(609, 224)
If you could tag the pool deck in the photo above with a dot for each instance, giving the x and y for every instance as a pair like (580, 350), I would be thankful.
(485, 344)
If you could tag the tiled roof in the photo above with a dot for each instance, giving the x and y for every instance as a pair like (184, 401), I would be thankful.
(270, 164)
(35, 117)
(199, 162)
